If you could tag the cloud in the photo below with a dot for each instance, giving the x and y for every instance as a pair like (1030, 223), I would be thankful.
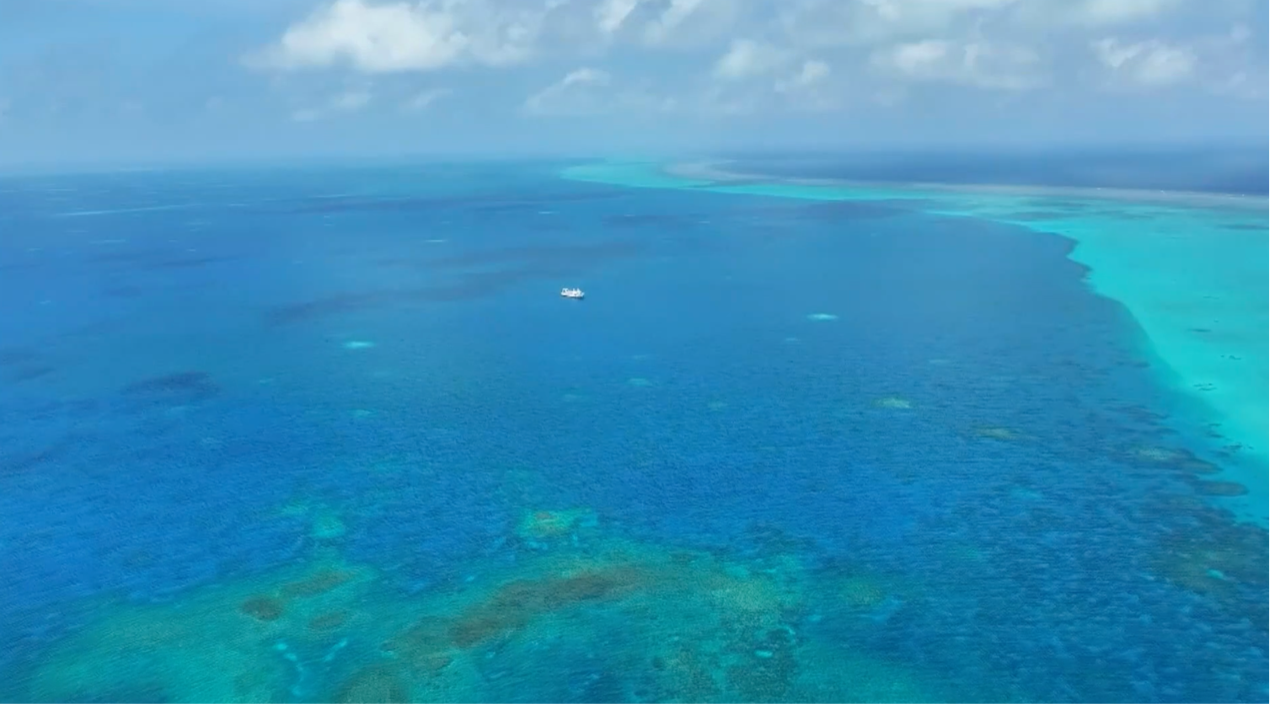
(1232, 65)
(387, 36)
(771, 55)
(1147, 64)
(805, 90)
(1227, 64)
(425, 99)
(674, 15)
(720, 100)
(611, 14)
(1247, 85)
(645, 101)
(747, 58)
(754, 76)
(405, 36)
(978, 64)
(592, 92)
(574, 94)
(811, 74)
(345, 102)
(827, 23)
(830, 23)
(351, 100)
(1095, 13)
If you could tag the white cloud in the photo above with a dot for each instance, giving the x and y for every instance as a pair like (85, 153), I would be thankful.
(748, 58)
(1232, 65)
(425, 99)
(811, 74)
(644, 100)
(980, 64)
(890, 96)
(345, 102)
(611, 14)
(806, 89)
(767, 50)
(672, 17)
(1227, 64)
(754, 76)
(1148, 64)
(1097, 13)
(1247, 85)
(721, 101)
(406, 36)
(574, 94)
(592, 92)
(825, 23)
(822, 23)
(351, 100)
(1242, 84)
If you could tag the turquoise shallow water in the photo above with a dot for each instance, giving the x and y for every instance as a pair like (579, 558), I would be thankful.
(1195, 278)
(312, 435)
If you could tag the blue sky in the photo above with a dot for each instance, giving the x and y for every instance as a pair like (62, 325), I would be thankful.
(160, 80)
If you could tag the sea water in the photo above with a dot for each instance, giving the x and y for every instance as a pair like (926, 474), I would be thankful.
(316, 435)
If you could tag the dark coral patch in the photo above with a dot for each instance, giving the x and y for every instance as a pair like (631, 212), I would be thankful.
(321, 582)
(1220, 489)
(517, 604)
(374, 684)
(265, 609)
(329, 621)
(184, 387)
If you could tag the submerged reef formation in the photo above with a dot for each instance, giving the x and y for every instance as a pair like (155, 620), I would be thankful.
(539, 527)
(185, 388)
(607, 621)
(262, 641)
(894, 402)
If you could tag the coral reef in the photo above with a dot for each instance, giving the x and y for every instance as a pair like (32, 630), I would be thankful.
(1178, 459)
(540, 526)
(249, 642)
(185, 388)
(633, 622)
(1213, 488)
(996, 433)
(893, 402)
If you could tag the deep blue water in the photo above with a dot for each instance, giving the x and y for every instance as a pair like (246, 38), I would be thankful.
(963, 434)
(1225, 170)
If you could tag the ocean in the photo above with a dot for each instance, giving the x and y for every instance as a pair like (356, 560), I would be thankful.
(330, 434)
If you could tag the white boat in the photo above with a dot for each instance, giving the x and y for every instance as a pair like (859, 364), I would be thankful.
(573, 293)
